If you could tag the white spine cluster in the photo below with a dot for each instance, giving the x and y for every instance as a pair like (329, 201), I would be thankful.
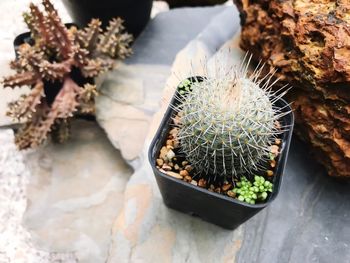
(229, 122)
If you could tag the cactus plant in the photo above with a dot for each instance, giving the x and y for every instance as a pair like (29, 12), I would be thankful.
(228, 122)
(52, 59)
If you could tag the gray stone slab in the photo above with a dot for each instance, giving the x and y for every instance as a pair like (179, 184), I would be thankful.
(75, 192)
(169, 32)
(308, 222)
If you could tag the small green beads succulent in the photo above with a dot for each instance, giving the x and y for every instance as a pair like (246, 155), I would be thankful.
(272, 156)
(185, 86)
(249, 192)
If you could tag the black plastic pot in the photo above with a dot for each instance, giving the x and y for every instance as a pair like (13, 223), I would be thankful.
(210, 206)
(52, 88)
(135, 13)
(194, 3)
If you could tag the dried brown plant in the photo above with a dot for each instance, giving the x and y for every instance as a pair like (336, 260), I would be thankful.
(68, 58)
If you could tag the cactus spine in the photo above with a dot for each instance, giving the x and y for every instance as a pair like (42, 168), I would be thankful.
(227, 123)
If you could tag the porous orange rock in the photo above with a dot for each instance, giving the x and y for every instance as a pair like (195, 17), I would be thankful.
(308, 42)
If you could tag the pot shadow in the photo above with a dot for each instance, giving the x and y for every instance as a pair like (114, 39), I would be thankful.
(309, 221)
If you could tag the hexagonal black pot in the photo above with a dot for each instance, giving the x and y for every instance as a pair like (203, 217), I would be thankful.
(216, 208)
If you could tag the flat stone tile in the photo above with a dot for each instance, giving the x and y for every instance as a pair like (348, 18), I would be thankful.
(75, 193)
(308, 222)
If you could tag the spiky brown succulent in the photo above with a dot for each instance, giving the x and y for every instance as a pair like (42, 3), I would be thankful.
(57, 56)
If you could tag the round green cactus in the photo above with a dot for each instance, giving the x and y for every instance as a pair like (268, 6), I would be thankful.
(227, 123)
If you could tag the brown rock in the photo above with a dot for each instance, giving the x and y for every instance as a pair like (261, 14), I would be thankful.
(188, 168)
(163, 152)
(231, 193)
(166, 167)
(176, 120)
(188, 178)
(194, 182)
(170, 142)
(274, 150)
(309, 43)
(160, 162)
(170, 154)
(202, 183)
(184, 163)
(176, 143)
(175, 175)
(226, 187)
(184, 173)
(173, 132)
(217, 190)
(273, 163)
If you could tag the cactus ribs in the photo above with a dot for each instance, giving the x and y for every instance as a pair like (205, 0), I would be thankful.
(228, 121)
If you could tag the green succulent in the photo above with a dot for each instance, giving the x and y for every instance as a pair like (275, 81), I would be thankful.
(185, 86)
(251, 193)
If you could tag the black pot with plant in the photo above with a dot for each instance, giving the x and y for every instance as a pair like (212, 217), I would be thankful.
(222, 146)
(135, 13)
(59, 62)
